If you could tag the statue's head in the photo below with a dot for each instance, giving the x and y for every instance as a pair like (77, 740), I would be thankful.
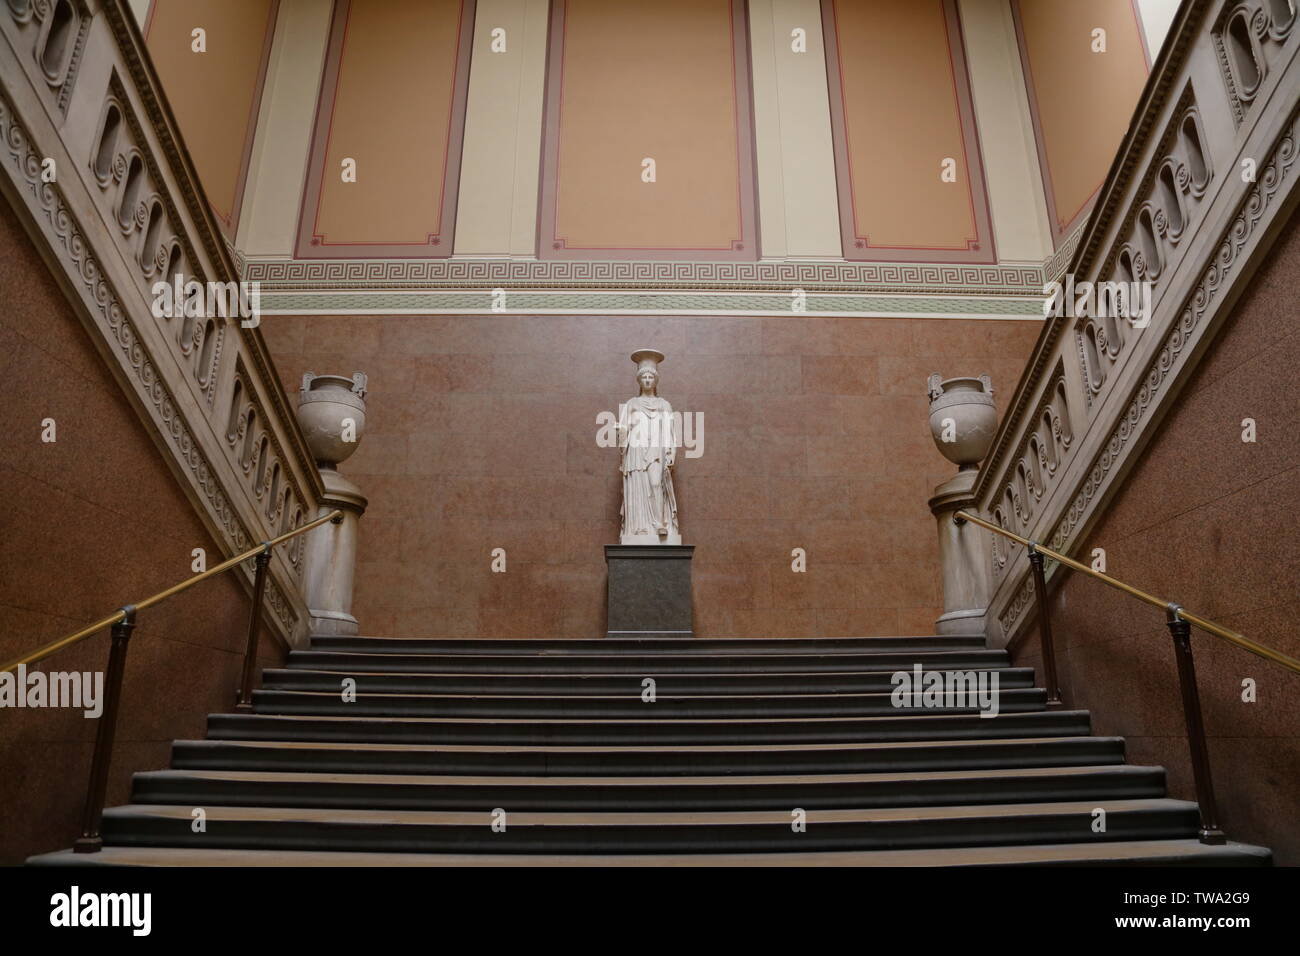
(647, 368)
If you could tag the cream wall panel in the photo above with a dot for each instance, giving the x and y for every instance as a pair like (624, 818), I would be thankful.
(1157, 17)
(278, 170)
(797, 198)
(1015, 187)
(767, 131)
(141, 10)
(528, 143)
(496, 212)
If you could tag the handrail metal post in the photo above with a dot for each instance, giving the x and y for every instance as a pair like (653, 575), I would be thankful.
(92, 817)
(1047, 647)
(244, 701)
(1182, 634)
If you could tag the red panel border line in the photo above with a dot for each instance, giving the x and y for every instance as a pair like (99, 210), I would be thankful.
(744, 248)
(856, 244)
(438, 245)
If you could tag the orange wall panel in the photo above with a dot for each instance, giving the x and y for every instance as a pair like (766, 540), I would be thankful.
(393, 101)
(900, 107)
(215, 94)
(631, 80)
(1081, 101)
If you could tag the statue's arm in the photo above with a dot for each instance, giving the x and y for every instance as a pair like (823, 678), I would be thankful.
(674, 437)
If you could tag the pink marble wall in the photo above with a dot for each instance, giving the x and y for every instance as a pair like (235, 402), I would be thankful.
(482, 434)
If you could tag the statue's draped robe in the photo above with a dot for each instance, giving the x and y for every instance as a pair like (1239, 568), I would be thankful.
(648, 436)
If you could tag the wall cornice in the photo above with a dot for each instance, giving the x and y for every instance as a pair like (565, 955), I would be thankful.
(470, 286)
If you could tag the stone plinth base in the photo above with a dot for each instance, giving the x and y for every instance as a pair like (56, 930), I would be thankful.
(649, 590)
(333, 624)
(963, 559)
(961, 623)
(331, 557)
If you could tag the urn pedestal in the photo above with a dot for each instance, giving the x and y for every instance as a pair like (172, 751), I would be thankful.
(332, 413)
(331, 559)
(963, 559)
(649, 590)
(963, 421)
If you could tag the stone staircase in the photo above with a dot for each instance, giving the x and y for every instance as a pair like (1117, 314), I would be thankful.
(444, 735)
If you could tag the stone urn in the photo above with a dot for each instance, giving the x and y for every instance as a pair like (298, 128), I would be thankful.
(332, 413)
(963, 418)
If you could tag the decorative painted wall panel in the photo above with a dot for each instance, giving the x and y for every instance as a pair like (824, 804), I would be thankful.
(215, 93)
(1081, 100)
(385, 159)
(631, 82)
(907, 151)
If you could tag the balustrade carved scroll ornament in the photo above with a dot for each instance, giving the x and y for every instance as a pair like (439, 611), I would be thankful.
(1115, 314)
(56, 31)
(1248, 39)
(1166, 205)
(1033, 469)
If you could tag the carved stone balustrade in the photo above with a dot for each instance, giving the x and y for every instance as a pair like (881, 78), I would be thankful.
(1204, 174)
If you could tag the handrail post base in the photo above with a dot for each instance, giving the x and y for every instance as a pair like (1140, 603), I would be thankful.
(1215, 837)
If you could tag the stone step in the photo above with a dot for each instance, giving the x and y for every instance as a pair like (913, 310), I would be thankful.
(646, 665)
(593, 732)
(595, 685)
(1187, 853)
(206, 788)
(629, 706)
(613, 646)
(686, 832)
(909, 756)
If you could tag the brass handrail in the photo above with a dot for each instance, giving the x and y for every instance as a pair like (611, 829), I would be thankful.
(265, 547)
(1260, 650)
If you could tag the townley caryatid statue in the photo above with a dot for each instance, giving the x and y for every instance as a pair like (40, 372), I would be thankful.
(648, 438)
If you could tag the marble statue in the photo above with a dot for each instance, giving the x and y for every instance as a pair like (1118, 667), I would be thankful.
(648, 436)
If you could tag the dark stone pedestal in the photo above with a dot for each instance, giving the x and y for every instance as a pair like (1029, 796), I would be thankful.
(649, 590)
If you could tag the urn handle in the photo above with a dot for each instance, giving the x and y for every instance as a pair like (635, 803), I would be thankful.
(934, 385)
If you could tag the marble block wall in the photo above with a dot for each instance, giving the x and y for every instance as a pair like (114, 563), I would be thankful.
(481, 434)
(89, 522)
(1207, 520)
